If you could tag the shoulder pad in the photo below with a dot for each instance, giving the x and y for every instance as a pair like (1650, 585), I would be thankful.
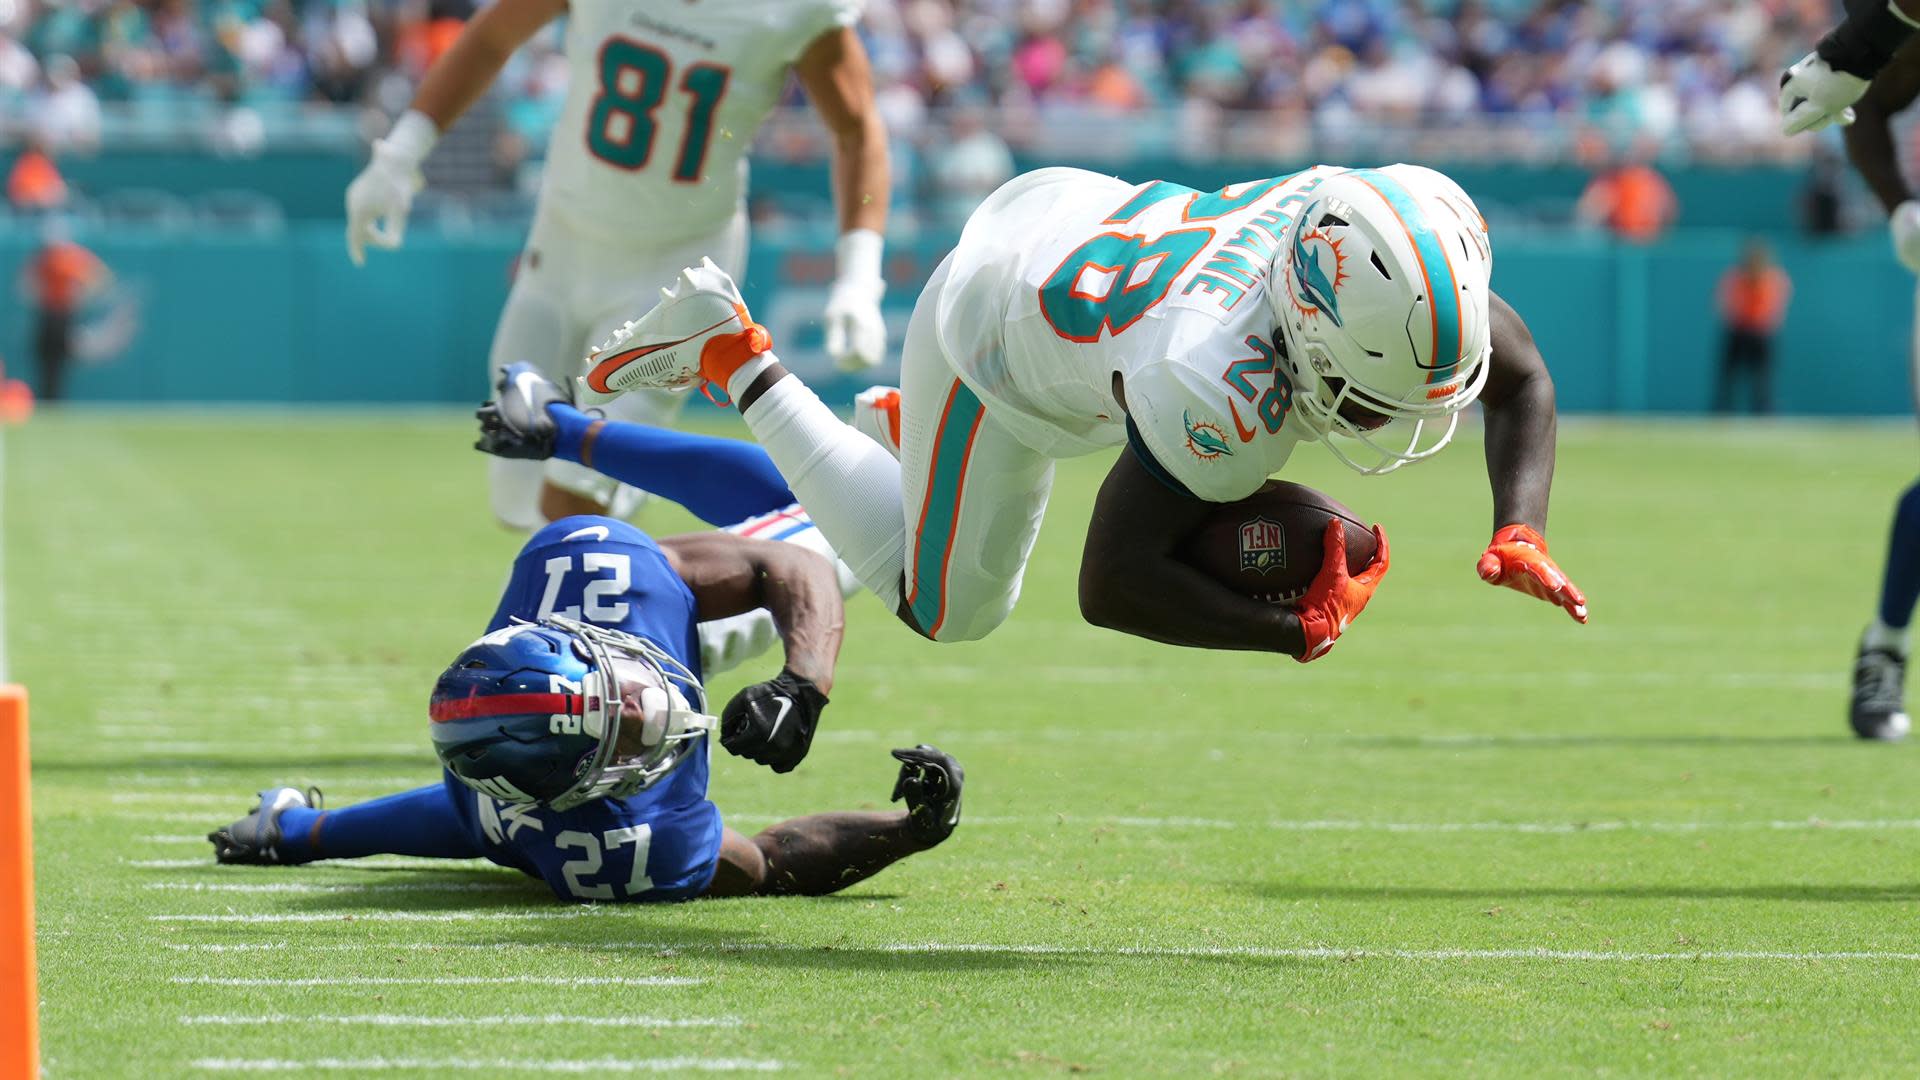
(1182, 421)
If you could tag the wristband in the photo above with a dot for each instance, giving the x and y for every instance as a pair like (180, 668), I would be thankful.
(413, 136)
(856, 255)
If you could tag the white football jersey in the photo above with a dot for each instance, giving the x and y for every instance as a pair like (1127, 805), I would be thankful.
(1063, 278)
(663, 100)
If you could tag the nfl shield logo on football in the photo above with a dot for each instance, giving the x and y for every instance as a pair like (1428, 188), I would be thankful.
(1263, 545)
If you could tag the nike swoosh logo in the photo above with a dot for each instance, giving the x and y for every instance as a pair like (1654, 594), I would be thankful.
(786, 706)
(604, 369)
(525, 382)
(591, 532)
(1246, 433)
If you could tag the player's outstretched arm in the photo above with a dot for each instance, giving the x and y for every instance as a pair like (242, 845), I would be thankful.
(838, 80)
(1521, 432)
(824, 853)
(380, 198)
(1870, 147)
(1132, 580)
(770, 722)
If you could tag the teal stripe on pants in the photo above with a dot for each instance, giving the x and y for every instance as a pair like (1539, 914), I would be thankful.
(934, 543)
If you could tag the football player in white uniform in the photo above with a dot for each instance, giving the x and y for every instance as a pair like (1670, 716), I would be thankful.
(646, 171)
(1211, 332)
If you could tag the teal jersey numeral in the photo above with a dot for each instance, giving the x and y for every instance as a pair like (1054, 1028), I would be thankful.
(706, 84)
(633, 85)
(1095, 288)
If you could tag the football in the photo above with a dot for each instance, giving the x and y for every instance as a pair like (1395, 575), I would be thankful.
(1268, 546)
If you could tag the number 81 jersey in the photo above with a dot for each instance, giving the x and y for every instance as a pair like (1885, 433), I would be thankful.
(663, 100)
(1064, 278)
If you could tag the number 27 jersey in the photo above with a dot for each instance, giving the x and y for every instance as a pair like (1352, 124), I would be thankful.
(1064, 278)
(663, 101)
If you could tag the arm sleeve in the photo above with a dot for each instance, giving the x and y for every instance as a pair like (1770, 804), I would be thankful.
(1179, 424)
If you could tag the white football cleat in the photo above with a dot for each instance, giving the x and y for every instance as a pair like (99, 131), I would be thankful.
(876, 414)
(663, 349)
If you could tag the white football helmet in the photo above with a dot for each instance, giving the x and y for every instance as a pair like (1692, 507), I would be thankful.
(1382, 302)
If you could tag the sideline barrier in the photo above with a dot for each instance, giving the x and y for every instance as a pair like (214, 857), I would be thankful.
(286, 318)
(19, 992)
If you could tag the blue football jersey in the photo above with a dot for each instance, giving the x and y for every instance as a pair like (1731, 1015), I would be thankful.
(660, 844)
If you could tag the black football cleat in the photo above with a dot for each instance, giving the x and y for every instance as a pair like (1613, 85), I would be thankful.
(1879, 707)
(254, 840)
(930, 782)
(515, 423)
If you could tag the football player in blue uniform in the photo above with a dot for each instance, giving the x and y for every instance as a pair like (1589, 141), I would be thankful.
(574, 732)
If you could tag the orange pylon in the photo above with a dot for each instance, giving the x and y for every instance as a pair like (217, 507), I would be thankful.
(19, 994)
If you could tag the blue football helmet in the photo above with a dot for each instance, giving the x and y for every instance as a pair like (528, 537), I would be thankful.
(561, 712)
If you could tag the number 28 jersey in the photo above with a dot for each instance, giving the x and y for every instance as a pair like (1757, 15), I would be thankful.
(1063, 278)
(663, 101)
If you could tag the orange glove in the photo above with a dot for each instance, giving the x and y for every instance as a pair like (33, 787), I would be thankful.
(1517, 558)
(1335, 598)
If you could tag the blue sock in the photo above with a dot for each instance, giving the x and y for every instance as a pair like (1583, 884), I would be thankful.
(1901, 586)
(721, 481)
(417, 822)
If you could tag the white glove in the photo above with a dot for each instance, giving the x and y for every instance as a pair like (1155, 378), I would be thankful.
(856, 331)
(1814, 95)
(380, 197)
(1905, 226)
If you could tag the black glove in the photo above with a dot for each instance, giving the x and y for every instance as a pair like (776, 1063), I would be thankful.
(772, 723)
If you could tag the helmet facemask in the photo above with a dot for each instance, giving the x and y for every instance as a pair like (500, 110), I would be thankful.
(667, 726)
(1381, 296)
(1327, 400)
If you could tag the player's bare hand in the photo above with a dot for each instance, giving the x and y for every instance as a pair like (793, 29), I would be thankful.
(1517, 558)
(1336, 597)
(771, 723)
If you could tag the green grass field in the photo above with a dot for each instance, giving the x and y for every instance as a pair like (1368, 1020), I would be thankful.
(1478, 839)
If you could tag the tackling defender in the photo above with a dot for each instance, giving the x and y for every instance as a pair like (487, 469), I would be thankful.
(573, 733)
(1210, 332)
(645, 172)
(575, 745)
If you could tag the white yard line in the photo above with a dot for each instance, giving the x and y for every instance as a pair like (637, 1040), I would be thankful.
(1257, 952)
(390, 916)
(1343, 825)
(489, 1065)
(445, 980)
(339, 887)
(378, 862)
(427, 1020)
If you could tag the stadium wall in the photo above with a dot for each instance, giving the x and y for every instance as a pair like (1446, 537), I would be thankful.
(286, 318)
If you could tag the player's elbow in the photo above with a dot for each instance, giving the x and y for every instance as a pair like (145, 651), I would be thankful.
(1101, 602)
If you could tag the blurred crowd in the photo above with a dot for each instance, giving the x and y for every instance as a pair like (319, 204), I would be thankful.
(1697, 72)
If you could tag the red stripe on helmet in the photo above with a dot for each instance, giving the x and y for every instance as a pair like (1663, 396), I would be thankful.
(467, 708)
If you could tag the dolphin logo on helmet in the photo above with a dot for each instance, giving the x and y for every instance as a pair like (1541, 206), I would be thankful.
(1405, 341)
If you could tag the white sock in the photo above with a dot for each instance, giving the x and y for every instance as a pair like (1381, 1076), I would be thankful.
(1881, 636)
(849, 484)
